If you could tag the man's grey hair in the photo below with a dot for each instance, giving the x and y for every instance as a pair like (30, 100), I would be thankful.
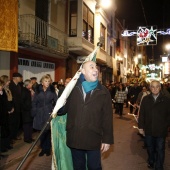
(156, 81)
(26, 82)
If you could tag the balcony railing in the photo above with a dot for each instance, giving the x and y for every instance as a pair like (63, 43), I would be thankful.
(39, 34)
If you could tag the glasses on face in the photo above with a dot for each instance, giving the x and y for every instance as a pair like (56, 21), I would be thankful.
(143, 89)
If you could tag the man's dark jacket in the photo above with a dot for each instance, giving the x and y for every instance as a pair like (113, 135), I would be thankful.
(26, 106)
(89, 123)
(154, 116)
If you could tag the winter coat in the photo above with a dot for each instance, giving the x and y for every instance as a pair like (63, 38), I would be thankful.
(89, 123)
(26, 105)
(42, 105)
(154, 116)
(5, 107)
(133, 93)
(16, 91)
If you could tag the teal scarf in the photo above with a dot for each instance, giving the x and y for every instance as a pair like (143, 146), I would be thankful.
(88, 86)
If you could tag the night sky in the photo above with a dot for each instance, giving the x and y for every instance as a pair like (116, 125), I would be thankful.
(146, 12)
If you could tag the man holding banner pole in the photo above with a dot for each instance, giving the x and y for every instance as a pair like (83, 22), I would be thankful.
(89, 127)
(89, 119)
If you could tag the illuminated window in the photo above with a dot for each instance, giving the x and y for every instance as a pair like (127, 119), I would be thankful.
(102, 35)
(88, 24)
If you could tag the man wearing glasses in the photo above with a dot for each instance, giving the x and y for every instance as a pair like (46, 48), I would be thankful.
(154, 120)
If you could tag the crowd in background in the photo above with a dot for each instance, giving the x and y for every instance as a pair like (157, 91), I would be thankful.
(131, 95)
(25, 107)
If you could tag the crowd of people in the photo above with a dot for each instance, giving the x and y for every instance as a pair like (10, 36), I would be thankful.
(26, 105)
(131, 95)
(150, 103)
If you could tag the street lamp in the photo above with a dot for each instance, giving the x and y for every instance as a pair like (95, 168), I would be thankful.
(105, 3)
(140, 56)
(136, 60)
(167, 46)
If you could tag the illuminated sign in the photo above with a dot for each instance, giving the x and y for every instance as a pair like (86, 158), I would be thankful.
(164, 58)
(152, 70)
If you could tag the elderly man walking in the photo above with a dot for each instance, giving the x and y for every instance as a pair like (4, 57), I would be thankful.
(154, 119)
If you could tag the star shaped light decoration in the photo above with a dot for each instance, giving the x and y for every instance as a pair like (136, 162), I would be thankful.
(146, 36)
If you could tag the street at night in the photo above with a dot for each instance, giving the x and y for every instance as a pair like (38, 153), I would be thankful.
(84, 84)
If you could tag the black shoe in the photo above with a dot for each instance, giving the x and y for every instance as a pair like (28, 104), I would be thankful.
(150, 166)
(9, 147)
(48, 153)
(4, 150)
(28, 141)
(33, 140)
(41, 153)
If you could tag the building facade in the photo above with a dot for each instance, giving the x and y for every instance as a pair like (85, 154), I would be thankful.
(55, 35)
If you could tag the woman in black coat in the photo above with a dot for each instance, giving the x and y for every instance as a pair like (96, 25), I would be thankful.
(6, 108)
(42, 105)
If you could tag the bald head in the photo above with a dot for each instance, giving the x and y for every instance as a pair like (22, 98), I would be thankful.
(90, 71)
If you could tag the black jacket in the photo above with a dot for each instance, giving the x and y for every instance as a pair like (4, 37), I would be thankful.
(5, 107)
(89, 123)
(154, 116)
(42, 105)
(16, 91)
(26, 106)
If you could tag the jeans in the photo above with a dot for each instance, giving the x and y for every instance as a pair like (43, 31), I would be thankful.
(120, 105)
(156, 151)
(93, 158)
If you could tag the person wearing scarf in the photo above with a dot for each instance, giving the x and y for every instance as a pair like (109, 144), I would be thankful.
(89, 126)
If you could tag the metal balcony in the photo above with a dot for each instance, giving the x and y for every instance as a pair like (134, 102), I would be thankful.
(37, 35)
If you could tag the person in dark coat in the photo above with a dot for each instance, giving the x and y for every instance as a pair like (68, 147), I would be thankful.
(26, 105)
(133, 95)
(34, 83)
(62, 88)
(15, 118)
(6, 108)
(43, 103)
(154, 120)
(89, 119)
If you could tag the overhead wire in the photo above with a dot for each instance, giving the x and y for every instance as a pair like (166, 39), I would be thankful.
(143, 10)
